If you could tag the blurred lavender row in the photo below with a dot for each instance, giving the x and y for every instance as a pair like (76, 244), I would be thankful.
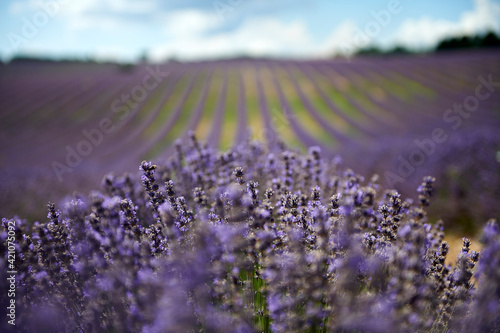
(368, 111)
(255, 239)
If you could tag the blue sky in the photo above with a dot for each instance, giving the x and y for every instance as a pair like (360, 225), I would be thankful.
(195, 29)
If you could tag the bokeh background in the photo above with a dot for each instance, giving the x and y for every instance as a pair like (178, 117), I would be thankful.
(401, 89)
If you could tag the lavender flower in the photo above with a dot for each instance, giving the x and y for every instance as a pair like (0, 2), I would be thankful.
(248, 241)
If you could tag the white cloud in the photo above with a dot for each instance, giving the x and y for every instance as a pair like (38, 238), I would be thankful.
(111, 7)
(19, 7)
(485, 17)
(103, 14)
(197, 33)
(81, 15)
(340, 40)
(261, 36)
(425, 32)
(109, 52)
(129, 6)
(416, 33)
(190, 22)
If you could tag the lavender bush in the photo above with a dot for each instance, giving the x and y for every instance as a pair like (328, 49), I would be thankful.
(249, 240)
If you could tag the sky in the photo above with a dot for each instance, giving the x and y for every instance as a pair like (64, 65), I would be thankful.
(125, 30)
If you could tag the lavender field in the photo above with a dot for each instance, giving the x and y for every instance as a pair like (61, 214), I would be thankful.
(63, 126)
(247, 241)
(253, 195)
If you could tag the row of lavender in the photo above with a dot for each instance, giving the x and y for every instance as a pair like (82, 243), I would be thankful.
(343, 108)
(254, 239)
(383, 110)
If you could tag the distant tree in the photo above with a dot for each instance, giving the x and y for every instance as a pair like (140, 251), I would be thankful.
(370, 50)
(22, 58)
(374, 50)
(490, 40)
(144, 57)
(466, 42)
(399, 49)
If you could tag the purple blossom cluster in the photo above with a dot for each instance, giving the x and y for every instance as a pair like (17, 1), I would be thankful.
(254, 239)
(465, 168)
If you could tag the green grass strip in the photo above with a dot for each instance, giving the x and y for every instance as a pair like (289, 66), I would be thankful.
(300, 112)
(319, 103)
(168, 107)
(254, 114)
(187, 109)
(204, 126)
(230, 120)
(392, 86)
(152, 101)
(414, 86)
(278, 119)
